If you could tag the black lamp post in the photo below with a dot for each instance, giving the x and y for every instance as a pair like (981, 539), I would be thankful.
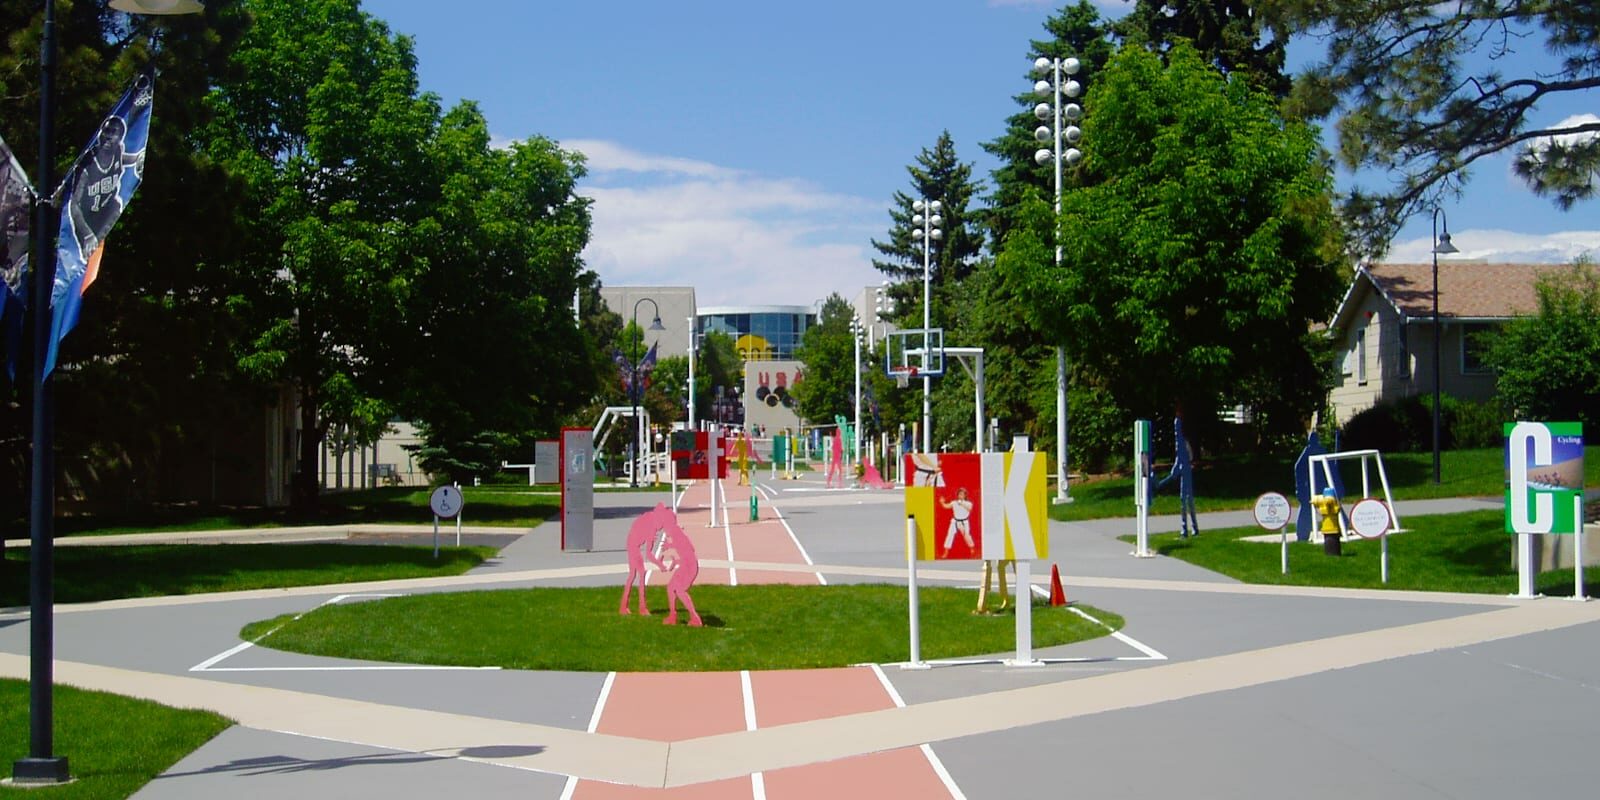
(42, 767)
(1441, 244)
(633, 384)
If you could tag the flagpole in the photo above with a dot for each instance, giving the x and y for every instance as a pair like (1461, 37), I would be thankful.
(41, 767)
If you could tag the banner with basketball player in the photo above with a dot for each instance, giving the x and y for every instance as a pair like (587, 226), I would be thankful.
(91, 198)
(978, 506)
(16, 205)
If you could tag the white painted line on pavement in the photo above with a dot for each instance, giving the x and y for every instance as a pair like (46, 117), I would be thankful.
(927, 749)
(821, 580)
(367, 668)
(1151, 653)
(210, 664)
(594, 725)
(235, 650)
(758, 782)
(727, 535)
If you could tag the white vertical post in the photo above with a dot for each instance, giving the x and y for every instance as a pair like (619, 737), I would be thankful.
(1384, 557)
(1283, 543)
(977, 403)
(713, 455)
(1063, 495)
(911, 593)
(855, 441)
(436, 537)
(1577, 549)
(1024, 572)
(1527, 571)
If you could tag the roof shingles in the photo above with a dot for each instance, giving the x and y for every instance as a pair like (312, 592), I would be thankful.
(1469, 289)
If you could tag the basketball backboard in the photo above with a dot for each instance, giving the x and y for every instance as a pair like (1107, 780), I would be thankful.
(914, 353)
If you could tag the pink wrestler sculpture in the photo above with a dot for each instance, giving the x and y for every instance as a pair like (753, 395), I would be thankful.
(657, 538)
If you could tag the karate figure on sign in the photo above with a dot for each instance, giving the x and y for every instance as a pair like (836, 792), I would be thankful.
(960, 519)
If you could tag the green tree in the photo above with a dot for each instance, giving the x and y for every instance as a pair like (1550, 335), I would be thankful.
(669, 389)
(829, 355)
(937, 175)
(322, 119)
(1230, 34)
(1547, 366)
(1204, 247)
(492, 352)
(1424, 90)
(720, 368)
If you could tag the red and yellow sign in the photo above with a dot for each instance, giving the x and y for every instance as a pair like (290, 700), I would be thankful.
(978, 506)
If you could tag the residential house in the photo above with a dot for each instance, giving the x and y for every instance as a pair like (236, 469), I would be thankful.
(1385, 329)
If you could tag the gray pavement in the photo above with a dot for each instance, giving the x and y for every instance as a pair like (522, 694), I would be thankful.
(1251, 690)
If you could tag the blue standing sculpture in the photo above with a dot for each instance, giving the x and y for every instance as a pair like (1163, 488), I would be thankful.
(1183, 470)
(1302, 484)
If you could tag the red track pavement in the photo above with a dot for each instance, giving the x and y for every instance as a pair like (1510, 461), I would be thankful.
(678, 706)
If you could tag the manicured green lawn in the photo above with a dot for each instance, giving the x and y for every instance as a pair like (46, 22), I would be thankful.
(113, 744)
(1228, 484)
(747, 627)
(1468, 552)
(85, 574)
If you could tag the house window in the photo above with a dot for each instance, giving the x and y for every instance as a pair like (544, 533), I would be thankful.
(1475, 338)
(1361, 357)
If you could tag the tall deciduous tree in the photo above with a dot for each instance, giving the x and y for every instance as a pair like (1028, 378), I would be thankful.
(1424, 90)
(492, 351)
(323, 119)
(1204, 246)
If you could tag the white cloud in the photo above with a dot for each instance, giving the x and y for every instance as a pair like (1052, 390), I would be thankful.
(1503, 247)
(608, 157)
(1538, 145)
(737, 237)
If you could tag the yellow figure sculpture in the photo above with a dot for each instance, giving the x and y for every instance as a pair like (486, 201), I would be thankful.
(1327, 506)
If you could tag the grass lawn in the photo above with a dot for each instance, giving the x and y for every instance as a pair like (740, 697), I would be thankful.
(1468, 552)
(85, 574)
(747, 627)
(1229, 484)
(113, 744)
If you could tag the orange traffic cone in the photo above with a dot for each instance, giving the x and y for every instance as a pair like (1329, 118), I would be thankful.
(1058, 596)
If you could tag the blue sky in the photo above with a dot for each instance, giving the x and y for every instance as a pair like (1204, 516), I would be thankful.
(752, 149)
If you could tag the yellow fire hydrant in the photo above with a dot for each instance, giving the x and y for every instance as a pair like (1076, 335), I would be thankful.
(1327, 506)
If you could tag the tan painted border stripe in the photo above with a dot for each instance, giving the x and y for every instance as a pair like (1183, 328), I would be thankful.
(641, 763)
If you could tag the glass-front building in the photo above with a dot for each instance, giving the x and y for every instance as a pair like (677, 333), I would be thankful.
(760, 333)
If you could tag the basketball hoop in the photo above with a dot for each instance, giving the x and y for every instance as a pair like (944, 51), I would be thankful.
(902, 379)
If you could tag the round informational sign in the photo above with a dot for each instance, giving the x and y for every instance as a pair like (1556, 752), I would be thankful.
(446, 502)
(1369, 518)
(1272, 511)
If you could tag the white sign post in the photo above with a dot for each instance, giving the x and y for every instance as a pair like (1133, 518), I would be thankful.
(1272, 513)
(446, 503)
(1370, 518)
(1142, 475)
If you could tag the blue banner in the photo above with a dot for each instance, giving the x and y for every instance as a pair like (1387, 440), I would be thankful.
(96, 190)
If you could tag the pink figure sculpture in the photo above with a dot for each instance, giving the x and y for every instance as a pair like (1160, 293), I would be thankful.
(680, 560)
(874, 479)
(836, 467)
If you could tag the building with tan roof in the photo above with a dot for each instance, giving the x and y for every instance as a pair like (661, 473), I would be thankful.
(1384, 327)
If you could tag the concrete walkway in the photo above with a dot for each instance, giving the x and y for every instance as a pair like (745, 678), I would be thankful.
(1249, 689)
